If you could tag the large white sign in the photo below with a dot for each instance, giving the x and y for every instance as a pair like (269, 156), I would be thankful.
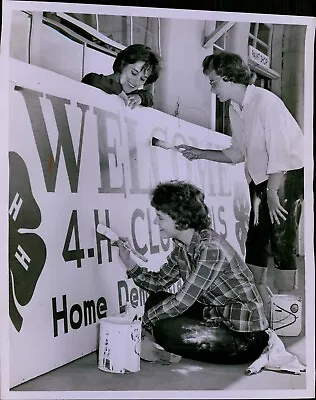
(79, 157)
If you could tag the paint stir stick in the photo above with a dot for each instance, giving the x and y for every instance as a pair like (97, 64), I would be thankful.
(114, 237)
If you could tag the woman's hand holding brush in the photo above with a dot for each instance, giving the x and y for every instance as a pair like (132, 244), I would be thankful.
(124, 252)
(116, 240)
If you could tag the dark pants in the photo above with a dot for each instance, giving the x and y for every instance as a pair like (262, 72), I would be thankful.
(188, 336)
(282, 238)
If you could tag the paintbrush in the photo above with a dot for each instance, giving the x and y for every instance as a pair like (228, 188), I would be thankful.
(164, 145)
(114, 237)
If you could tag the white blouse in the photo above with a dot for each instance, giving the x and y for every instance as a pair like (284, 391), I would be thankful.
(265, 135)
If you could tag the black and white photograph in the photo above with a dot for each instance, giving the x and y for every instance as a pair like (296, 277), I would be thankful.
(157, 203)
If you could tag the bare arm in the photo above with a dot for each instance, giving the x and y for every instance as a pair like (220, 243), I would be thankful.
(276, 211)
(275, 180)
(194, 153)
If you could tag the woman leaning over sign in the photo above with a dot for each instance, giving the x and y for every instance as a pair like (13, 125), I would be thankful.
(268, 139)
(134, 67)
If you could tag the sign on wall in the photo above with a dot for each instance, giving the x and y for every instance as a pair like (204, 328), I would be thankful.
(78, 157)
(258, 57)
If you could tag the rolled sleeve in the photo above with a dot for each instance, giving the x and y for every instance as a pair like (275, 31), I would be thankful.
(134, 271)
(284, 139)
(233, 154)
(206, 271)
(103, 82)
(155, 281)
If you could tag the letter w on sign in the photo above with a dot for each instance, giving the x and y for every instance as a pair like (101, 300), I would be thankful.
(64, 143)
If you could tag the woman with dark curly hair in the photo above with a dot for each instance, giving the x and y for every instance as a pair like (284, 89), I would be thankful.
(135, 66)
(217, 315)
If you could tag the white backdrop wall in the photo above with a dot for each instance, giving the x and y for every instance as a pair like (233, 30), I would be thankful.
(77, 157)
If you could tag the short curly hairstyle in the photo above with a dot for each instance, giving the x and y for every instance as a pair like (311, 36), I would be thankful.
(229, 65)
(135, 53)
(184, 203)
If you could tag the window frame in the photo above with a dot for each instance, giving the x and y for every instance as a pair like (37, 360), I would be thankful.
(104, 37)
(266, 72)
(255, 39)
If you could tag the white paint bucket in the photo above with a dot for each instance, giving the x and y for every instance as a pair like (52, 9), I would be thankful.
(286, 314)
(119, 345)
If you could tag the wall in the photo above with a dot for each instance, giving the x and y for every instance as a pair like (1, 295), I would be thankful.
(293, 69)
(288, 46)
(182, 90)
(277, 58)
(19, 38)
(237, 40)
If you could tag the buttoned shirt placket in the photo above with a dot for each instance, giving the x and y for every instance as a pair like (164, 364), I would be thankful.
(184, 251)
(240, 111)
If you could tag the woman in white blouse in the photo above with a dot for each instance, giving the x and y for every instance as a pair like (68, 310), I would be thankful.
(269, 140)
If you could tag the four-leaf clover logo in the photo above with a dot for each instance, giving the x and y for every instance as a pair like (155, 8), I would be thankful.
(27, 251)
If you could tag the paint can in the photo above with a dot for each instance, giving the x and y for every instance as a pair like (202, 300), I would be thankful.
(119, 345)
(286, 314)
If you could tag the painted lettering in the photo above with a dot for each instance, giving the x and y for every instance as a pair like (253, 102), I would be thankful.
(15, 206)
(134, 297)
(100, 239)
(105, 151)
(125, 296)
(89, 312)
(77, 314)
(22, 257)
(134, 158)
(60, 315)
(75, 309)
(48, 162)
(202, 172)
(138, 213)
(154, 248)
(224, 181)
(122, 289)
(101, 307)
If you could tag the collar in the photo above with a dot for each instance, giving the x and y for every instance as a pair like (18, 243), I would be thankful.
(250, 91)
(197, 237)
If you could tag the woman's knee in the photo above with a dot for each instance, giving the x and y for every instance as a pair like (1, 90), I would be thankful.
(215, 344)
(188, 334)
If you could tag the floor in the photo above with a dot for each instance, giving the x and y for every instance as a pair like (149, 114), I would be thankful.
(187, 375)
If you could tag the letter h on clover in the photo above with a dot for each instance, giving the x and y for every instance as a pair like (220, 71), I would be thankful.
(27, 251)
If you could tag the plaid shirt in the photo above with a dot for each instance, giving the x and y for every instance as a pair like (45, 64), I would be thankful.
(214, 274)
